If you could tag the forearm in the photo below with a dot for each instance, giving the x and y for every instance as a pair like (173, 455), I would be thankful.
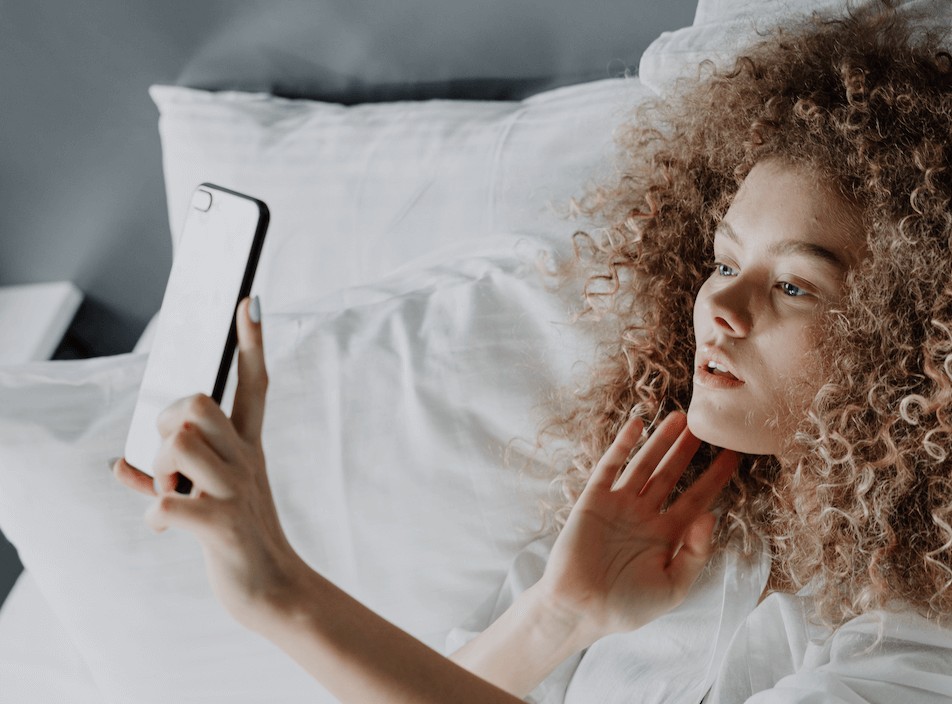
(525, 644)
(359, 656)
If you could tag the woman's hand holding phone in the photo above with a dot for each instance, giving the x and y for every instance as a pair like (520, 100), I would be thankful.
(230, 509)
(620, 561)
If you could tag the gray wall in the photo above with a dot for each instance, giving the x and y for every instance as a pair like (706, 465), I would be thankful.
(80, 162)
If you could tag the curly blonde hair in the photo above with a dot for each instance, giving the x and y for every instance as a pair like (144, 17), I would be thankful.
(860, 499)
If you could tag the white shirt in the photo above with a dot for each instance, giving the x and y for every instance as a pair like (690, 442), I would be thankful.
(720, 647)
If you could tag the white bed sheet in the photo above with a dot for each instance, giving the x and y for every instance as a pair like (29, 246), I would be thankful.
(38, 661)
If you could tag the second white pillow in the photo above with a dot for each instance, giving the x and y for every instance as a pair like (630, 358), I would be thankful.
(356, 192)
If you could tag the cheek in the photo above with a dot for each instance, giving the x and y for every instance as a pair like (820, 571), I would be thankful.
(794, 373)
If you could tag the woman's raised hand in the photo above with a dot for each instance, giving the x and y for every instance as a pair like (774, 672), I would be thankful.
(620, 561)
(230, 509)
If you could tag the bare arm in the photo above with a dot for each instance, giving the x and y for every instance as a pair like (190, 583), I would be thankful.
(360, 657)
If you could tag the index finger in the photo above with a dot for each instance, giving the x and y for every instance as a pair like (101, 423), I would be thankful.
(202, 411)
(133, 478)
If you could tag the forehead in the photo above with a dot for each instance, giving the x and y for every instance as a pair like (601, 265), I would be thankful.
(788, 210)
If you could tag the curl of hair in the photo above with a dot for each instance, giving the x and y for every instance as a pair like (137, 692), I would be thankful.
(860, 499)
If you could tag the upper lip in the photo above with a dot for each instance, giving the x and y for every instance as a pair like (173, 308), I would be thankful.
(712, 353)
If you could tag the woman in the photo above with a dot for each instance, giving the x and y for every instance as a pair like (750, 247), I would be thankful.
(794, 214)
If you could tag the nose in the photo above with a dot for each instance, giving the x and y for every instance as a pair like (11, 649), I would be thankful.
(729, 308)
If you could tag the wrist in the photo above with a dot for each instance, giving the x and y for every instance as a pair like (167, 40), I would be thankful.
(287, 599)
(559, 621)
(526, 643)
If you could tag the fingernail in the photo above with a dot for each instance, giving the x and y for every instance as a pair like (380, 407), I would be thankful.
(254, 310)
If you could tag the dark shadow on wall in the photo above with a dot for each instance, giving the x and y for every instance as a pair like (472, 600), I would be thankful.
(98, 331)
(10, 567)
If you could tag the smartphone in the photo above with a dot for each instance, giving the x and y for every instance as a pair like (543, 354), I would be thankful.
(196, 335)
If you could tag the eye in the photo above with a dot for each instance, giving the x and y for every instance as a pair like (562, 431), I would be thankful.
(720, 269)
(791, 290)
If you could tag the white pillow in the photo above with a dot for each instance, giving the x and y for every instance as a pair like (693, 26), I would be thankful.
(385, 426)
(723, 27)
(713, 11)
(356, 192)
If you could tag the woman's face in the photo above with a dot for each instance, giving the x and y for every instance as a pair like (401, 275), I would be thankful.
(780, 257)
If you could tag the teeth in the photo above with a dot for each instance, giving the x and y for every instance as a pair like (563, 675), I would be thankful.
(718, 367)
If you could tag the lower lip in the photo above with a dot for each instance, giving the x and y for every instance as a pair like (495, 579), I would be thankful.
(712, 381)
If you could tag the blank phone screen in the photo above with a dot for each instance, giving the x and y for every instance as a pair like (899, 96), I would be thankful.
(216, 256)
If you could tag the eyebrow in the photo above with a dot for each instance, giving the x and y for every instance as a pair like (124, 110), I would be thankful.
(810, 249)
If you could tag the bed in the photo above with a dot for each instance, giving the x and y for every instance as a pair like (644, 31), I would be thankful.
(404, 300)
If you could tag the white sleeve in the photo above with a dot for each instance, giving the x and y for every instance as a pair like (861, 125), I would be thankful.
(780, 658)
(527, 567)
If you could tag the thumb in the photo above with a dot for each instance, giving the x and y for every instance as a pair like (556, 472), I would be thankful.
(694, 553)
(248, 410)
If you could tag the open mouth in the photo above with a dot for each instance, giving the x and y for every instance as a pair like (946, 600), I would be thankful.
(717, 370)
(716, 377)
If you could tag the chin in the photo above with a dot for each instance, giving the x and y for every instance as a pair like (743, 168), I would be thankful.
(715, 427)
